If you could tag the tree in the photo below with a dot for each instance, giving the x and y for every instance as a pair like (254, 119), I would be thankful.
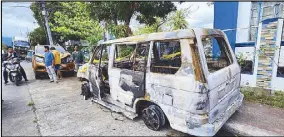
(122, 12)
(38, 36)
(177, 20)
(69, 21)
(155, 27)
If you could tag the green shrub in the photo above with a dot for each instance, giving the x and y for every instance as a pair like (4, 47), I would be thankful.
(272, 98)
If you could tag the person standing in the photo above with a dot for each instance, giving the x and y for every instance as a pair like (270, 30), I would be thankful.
(49, 64)
(78, 58)
(57, 62)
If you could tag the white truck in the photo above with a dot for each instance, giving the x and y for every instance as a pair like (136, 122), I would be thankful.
(21, 45)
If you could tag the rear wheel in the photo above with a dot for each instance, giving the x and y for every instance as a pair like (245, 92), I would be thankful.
(153, 117)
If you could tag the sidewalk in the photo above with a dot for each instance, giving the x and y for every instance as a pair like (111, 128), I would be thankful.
(255, 119)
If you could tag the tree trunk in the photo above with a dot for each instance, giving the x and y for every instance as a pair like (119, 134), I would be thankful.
(127, 23)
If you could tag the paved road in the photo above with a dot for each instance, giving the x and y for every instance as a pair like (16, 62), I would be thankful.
(60, 110)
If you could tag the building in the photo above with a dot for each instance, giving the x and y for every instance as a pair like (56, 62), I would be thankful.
(255, 32)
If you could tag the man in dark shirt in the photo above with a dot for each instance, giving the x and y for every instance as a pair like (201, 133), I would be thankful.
(10, 55)
(78, 58)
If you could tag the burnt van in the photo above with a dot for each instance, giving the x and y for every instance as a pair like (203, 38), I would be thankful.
(188, 78)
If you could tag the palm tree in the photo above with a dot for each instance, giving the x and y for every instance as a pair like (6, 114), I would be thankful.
(177, 20)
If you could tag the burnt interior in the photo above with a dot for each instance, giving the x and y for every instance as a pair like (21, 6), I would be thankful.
(166, 57)
(131, 57)
(217, 56)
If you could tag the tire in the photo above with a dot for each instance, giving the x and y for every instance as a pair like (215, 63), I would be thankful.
(37, 76)
(153, 117)
(11, 78)
(17, 82)
(85, 91)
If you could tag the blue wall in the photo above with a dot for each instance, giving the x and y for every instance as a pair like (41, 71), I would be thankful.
(225, 17)
(7, 40)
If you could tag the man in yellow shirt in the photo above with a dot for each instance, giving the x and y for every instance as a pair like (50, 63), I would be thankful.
(57, 61)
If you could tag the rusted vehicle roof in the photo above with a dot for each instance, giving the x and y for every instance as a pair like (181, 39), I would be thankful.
(177, 34)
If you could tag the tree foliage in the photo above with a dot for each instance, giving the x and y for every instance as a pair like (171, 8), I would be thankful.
(155, 27)
(177, 19)
(69, 21)
(122, 12)
(38, 36)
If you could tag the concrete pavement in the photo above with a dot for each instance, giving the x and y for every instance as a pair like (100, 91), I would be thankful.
(257, 120)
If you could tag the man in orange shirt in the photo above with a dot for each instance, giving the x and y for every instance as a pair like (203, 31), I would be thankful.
(57, 62)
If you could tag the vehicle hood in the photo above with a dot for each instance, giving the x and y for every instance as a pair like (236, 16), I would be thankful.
(62, 55)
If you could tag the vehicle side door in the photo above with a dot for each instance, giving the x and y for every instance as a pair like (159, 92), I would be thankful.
(127, 72)
(94, 71)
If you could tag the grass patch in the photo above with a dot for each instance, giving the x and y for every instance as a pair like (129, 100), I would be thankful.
(31, 103)
(272, 98)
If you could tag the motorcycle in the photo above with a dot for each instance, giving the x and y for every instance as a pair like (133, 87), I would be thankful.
(12, 66)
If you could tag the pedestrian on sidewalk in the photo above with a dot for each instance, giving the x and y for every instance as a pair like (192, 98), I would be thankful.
(57, 62)
(49, 64)
(78, 58)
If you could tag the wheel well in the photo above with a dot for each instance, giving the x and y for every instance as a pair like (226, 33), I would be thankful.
(142, 104)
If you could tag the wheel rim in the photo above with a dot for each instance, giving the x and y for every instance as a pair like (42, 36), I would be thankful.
(151, 119)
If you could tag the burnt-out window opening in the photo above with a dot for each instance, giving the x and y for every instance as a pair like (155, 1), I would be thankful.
(104, 62)
(140, 57)
(221, 56)
(96, 55)
(166, 57)
(124, 56)
(105, 55)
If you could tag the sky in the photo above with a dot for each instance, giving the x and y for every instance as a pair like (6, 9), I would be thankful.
(17, 21)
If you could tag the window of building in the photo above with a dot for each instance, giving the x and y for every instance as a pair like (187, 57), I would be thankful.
(166, 57)
(267, 10)
(221, 56)
(253, 21)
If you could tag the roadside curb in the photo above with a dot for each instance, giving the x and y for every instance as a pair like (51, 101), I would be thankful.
(246, 130)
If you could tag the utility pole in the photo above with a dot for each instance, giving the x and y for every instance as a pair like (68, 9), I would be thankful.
(45, 14)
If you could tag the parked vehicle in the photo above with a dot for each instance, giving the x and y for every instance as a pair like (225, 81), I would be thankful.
(29, 55)
(178, 76)
(21, 46)
(67, 64)
(13, 68)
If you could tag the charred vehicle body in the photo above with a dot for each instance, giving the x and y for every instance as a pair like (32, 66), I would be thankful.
(178, 76)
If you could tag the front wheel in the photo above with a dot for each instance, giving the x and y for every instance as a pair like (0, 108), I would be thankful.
(16, 81)
(153, 117)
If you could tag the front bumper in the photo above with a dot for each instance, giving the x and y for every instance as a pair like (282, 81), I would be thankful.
(210, 129)
(40, 67)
